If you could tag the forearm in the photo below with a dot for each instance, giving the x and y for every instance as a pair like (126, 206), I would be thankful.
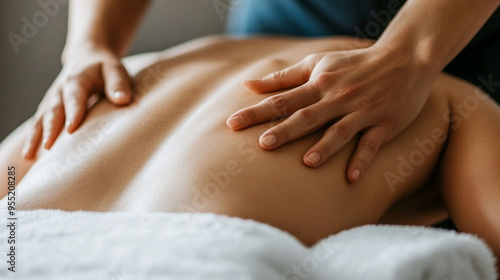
(433, 32)
(107, 24)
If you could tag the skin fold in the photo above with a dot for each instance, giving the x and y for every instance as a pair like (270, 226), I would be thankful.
(171, 151)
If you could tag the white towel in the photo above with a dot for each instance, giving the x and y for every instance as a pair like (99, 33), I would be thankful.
(407, 253)
(53, 244)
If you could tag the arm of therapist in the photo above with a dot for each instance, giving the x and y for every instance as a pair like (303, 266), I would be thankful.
(377, 91)
(99, 33)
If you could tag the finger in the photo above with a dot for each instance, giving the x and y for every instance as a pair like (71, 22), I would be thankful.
(300, 123)
(335, 138)
(292, 76)
(75, 98)
(117, 82)
(273, 107)
(366, 149)
(53, 121)
(32, 140)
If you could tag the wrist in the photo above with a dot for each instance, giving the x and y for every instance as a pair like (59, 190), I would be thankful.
(85, 48)
(410, 55)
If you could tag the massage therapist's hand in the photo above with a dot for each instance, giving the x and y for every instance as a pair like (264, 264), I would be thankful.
(373, 91)
(65, 103)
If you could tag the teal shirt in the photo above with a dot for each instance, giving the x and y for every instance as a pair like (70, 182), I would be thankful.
(479, 62)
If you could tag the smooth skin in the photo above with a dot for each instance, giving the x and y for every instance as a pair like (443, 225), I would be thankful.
(171, 151)
(377, 91)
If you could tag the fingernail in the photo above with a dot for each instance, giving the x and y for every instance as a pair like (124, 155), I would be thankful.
(25, 151)
(234, 121)
(44, 141)
(269, 140)
(119, 94)
(314, 158)
(355, 175)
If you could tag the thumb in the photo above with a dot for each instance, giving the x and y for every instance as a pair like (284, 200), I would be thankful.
(292, 76)
(117, 83)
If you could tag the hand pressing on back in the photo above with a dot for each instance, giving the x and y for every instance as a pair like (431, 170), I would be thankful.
(373, 91)
(64, 105)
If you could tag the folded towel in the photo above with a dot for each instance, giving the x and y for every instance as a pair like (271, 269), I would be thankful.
(406, 253)
(54, 244)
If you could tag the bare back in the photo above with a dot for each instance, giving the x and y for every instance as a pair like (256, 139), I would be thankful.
(172, 151)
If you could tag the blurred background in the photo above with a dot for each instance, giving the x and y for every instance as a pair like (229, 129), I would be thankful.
(25, 75)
